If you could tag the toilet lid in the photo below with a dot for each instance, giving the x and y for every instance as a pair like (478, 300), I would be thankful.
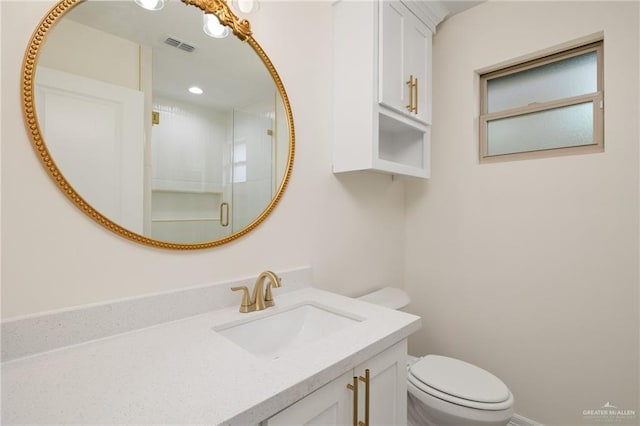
(460, 379)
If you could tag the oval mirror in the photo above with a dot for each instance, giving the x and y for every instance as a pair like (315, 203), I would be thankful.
(158, 131)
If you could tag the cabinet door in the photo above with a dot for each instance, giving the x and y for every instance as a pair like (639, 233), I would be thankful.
(331, 405)
(417, 58)
(404, 54)
(392, 90)
(387, 386)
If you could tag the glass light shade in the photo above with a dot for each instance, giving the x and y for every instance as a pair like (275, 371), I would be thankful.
(150, 4)
(213, 27)
(245, 6)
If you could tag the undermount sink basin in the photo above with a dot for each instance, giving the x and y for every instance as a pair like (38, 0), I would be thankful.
(273, 335)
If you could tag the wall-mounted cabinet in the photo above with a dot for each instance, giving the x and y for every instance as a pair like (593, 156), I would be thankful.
(382, 87)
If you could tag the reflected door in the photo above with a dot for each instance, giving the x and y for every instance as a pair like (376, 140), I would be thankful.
(191, 177)
(253, 165)
(102, 153)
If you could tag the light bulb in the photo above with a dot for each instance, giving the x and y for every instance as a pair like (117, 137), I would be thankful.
(150, 4)
(246, 6)
(213, 27)
(196, 90)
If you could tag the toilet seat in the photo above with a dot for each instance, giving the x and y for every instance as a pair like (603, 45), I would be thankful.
(460, 383)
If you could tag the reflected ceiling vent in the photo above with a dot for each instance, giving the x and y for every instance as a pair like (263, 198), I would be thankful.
(171, 41)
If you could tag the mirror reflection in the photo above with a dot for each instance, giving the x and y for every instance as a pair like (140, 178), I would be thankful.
(166, 131)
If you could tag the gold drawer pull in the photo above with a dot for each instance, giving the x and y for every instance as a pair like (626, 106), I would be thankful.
(367, 383)
(354, 387)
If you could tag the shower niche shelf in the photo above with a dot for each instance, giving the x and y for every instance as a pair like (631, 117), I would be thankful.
(185, 214)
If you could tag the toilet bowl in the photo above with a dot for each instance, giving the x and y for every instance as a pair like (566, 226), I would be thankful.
(448, 391)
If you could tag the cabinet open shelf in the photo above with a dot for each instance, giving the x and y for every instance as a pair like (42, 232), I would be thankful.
(403, 147)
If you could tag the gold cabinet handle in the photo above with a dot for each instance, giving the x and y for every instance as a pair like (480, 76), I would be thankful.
(354, 387)
(415, 96)
(410, 84)
(224, 214)
(367, 388)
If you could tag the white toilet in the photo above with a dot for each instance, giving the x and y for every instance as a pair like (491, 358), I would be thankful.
(447, 391)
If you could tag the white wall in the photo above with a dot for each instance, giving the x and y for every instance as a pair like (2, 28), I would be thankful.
(75, 48)
(530, 268)
(348, 228)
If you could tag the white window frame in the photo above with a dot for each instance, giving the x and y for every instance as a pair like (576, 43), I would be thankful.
(597, 98)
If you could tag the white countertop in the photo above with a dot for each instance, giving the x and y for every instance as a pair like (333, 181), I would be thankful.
(183, 372)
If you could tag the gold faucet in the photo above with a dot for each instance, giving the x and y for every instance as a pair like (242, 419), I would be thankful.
(262, 298)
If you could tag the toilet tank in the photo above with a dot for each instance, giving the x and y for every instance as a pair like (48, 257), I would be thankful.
(389, 297)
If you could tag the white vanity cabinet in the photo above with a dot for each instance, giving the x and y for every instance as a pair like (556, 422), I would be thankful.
(333, 404)
(382, 87)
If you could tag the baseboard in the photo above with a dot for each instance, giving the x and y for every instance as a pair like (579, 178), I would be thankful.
(518, 420)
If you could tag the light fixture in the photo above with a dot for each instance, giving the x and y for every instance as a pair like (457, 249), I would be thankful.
(196, 90)
(213, 28)
(150, 4)
(245, 6)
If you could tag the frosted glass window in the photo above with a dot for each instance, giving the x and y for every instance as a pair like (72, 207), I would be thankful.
(556, 128)
(239, 173)
(562, 79)
(549, 106)
(239, 152)
(240, 163)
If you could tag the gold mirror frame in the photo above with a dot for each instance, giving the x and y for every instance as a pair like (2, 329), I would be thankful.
(240, 28)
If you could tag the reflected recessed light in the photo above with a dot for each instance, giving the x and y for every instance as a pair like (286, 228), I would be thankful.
(196, 90)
